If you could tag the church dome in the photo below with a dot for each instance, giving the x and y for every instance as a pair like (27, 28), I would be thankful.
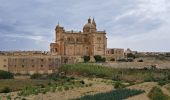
(89, 25)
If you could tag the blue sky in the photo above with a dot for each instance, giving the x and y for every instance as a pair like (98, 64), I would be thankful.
(142, 25)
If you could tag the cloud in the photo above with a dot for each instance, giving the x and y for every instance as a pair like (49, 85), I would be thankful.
(138, 24)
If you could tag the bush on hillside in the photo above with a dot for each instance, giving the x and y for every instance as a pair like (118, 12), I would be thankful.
(157, 94)
(130, 55)
(86, 58)
(5, 90)
(118, 85)
(6, 75)
(99, 58)
(162, 82)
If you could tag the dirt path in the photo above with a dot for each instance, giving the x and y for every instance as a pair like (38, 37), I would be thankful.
(147, 86)
(165, 91)
(70, 94)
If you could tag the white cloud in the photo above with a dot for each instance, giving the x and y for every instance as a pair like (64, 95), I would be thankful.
(127, 22)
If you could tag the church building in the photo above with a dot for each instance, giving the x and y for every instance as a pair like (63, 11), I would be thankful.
(90, 42)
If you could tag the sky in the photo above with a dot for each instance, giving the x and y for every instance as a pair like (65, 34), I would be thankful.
(142, 25)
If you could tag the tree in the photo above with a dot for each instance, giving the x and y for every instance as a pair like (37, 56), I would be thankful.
(6, 75)
(130, 55)
(98, 58)
(86, 58)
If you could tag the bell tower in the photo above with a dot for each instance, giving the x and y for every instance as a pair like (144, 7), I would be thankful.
(58, 30)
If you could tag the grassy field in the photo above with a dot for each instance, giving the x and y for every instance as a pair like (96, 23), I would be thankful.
(61, 82)
(16, 85)
(130, 75)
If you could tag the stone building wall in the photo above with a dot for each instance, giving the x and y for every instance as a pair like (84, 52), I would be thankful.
(4, 63)
(114, 54)
(30, 64)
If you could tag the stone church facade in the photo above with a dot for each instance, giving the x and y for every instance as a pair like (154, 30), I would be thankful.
(90, 42)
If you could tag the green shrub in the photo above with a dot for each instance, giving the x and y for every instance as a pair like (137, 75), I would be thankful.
(53, 89)
(149, 78)
(66, 88)
(86, 58)
(60, 88)
(118, 85)
(98, 58)
(157, 94)
(168, 76)
(162, 82)
(88, 85)
(54, 76)
(8, 97)
(130, 55)
(33, 91)
(103, 59)
(26, 91)
(5, 90)
(6, 75)
(82, 82)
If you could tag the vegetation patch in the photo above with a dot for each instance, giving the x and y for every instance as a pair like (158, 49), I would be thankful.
(56, 83)
(157, 94)
(86, 58)
(116, 74)
(5, 90)
(99, 58)
(6, 75)
(86, 70)
(118, 85)
(17, 85)
(112, 95)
